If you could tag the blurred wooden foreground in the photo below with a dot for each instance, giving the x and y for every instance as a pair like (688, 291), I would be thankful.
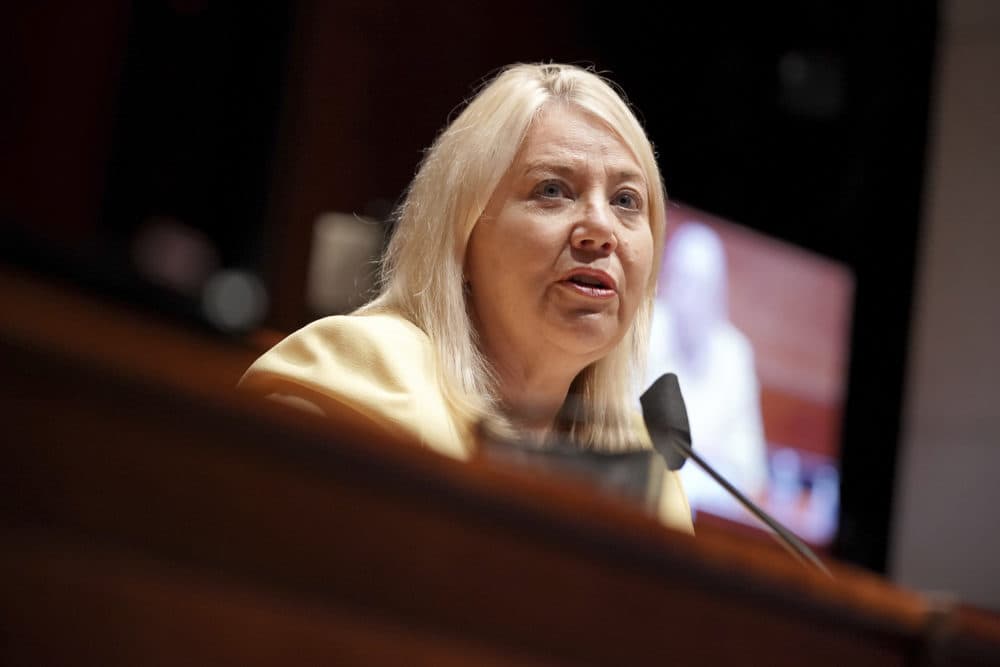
(151, 515)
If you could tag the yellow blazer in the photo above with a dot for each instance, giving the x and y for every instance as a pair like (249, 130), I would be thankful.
(384, 366)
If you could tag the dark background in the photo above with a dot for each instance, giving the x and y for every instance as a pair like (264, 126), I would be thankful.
(804, 120)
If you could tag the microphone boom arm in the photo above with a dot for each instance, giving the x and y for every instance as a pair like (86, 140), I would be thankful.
(789, 541)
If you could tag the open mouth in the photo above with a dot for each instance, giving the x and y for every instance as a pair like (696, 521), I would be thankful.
(591, 283)
(588, 281)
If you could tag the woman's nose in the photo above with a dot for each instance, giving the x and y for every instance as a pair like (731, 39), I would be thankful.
(594, 231)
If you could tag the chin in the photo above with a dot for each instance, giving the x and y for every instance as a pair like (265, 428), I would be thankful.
(589, 338)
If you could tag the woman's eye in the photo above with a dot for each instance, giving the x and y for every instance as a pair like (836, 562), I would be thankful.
(551, 190)
(626, 200)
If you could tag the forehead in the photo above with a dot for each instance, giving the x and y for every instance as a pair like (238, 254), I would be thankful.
(567, 136)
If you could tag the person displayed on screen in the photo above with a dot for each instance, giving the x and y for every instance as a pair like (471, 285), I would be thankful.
(693, 337)
(517, 288)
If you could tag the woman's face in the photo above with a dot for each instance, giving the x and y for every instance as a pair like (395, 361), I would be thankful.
(560, 259)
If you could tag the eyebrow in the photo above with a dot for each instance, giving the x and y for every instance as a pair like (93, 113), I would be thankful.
(565, 169)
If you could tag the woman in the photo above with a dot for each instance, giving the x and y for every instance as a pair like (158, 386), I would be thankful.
(517, 288)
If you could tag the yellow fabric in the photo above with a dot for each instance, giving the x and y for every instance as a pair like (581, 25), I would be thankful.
(384, 366)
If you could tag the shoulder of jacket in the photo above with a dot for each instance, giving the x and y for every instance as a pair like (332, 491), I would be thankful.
(359, 349)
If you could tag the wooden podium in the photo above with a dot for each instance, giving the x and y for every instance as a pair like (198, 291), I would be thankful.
(154, 516)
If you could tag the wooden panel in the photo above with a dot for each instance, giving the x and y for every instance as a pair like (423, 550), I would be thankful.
(78, 605)
(59, 320)
(144, 521)
(399, 531)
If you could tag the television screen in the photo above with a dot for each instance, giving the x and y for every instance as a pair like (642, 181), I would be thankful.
(757, 332)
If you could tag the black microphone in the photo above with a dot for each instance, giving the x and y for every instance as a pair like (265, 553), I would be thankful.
(666, 419)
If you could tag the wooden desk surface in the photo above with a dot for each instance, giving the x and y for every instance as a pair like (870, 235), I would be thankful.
(151, 515)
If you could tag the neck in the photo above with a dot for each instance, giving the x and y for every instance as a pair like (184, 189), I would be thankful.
(533, 394)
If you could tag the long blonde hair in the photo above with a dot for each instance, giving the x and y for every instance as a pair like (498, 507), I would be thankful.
(422, 271)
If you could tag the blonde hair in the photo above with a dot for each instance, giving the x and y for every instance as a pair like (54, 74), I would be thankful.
(422, 271)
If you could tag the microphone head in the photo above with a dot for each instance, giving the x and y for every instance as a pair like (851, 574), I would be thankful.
(666, 418)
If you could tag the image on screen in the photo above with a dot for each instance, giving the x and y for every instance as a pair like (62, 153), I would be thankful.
(757, 332)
